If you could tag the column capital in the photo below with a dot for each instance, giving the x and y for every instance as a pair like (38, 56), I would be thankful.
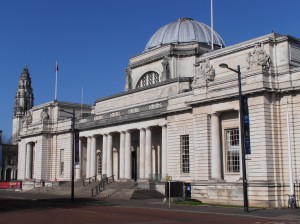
(149, 128)
(215, 113)
(163, 125)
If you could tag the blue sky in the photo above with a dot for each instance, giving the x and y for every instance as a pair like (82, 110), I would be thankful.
(92, 40)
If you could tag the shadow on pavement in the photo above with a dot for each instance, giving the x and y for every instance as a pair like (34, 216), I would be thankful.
(9, 204)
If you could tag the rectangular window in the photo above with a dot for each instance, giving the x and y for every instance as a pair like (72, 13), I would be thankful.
(62, 162)
(185, 153)
(232, 148)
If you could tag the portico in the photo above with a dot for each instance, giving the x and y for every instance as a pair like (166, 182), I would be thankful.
(127, 151)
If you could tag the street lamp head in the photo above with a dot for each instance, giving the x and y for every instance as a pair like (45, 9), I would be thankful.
(223, 65)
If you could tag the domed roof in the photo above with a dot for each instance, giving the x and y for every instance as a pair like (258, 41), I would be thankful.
(183, 30)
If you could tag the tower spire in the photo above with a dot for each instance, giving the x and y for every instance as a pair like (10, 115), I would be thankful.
(23, 101)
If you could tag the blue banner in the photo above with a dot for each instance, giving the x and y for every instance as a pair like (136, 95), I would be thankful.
(246, 126)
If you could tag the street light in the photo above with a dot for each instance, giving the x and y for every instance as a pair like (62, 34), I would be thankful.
(245, 184)
(73, 154)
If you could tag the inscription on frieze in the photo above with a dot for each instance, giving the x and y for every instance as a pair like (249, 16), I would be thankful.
(81, 121)
(134, 110)
(121, 115)
(155, 106)
(97, 118)
(115, 114)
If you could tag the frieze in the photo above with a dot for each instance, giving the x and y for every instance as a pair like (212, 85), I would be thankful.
(140, 112)
(81, 121)
(155, 106)
(115, 114)
(134, 110)
(98, 117)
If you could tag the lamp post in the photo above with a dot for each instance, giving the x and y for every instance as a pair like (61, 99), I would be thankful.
(245, 184)
(73, 153)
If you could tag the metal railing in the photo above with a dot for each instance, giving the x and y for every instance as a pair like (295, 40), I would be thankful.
(90, 180)
(101, 186)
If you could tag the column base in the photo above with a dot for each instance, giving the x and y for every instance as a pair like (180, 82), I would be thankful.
(142, 180)
(125, 180)
(216, 180)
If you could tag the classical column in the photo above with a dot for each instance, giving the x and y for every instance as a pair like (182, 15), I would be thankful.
(122, 155)
(153, 150)
(88, 157)
(158, 168)
(93, 156)
(115, 164)
(148, 154)
(128, 164)
(78, 165)
(104, 157)
(164, 161)
(142, 153)
(29, 161)
(109, 156)
(216, 162)
(12, 174)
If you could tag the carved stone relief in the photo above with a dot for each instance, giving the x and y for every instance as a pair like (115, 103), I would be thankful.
(27, 119)
(44, 114)
(166, 68)
(128, 84)
(258, 57)
(204, 71)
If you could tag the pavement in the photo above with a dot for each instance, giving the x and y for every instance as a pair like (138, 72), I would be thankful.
(12, 201)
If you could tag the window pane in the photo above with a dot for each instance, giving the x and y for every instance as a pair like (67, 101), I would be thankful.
(185, 154)
(147, 79)
(232, 150)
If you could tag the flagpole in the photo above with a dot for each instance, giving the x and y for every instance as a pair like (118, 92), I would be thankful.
(212, 24)
(56, 70)
(81, 99)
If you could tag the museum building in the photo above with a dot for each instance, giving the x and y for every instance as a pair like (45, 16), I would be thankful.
(178, 118)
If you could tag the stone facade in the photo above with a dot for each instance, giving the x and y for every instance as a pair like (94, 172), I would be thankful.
(179, 117)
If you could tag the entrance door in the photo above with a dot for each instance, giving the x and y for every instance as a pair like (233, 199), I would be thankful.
(134, 165)
(8, 174)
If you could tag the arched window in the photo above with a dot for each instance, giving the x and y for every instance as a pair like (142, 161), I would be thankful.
(147, 79)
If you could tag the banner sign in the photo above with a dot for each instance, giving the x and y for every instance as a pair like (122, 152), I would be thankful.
(76, 147)
(11, 185)
(246, 126)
